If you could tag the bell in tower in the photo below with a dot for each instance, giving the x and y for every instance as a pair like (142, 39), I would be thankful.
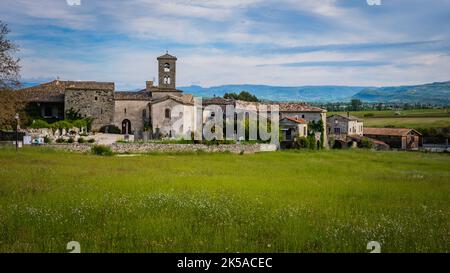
(166, 71)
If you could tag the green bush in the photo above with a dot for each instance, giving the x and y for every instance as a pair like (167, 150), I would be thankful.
(91, 140)
(81, 140)
(366, 143)
(301, 143)
(39, 124)
(101, 150)
(71, 140)
(312, 144)
(47, 140)
(60, 140)
(368, 115)
(62, 124)
(79, 123)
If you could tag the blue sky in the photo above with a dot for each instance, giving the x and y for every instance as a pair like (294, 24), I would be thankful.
(276, 42)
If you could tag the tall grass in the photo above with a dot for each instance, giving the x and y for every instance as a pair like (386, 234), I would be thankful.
(308, 201)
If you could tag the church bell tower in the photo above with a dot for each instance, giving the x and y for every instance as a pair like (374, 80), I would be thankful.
(166, 71)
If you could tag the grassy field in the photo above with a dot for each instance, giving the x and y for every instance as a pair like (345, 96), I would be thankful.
(328, 201)
(416, 118)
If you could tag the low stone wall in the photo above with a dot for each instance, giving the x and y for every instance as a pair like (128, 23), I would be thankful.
(165, 148)
(73, 147)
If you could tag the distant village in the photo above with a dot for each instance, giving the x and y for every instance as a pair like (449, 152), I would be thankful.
(145, 115)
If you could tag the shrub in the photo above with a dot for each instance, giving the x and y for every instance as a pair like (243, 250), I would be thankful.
(39, 123)
(91, 140)
(47, 140)
(62, 124)
(311, 142)
(301, 142)
(81, 140)
(368, 115)
(101, 150)
(79, 123)
(110, 129)
(71, 140)
(366, 143)
(60, 140)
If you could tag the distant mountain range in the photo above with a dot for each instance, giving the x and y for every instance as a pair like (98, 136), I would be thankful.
(281, 93)
(436, 93)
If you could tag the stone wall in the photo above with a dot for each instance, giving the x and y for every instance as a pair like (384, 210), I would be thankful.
(136, 111)
(97, 104)
(164, 148)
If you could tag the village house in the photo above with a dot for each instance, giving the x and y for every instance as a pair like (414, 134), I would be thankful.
(149, 109)
(293, 128)
(396, 138)
(341, 126)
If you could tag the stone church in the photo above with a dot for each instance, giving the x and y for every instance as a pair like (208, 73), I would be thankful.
(149, 109)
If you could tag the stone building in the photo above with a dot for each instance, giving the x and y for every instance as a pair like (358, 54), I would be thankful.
(341, 126)
(396, 138)
(151, 109)
(293, 128)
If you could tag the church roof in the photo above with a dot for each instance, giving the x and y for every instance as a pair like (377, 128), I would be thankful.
(128, 95)
(167, 56)
(183, 99)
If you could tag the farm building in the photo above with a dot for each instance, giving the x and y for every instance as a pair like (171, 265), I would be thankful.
(396, 138)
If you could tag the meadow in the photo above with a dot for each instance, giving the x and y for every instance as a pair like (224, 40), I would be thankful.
(290, 201)
(414, 118)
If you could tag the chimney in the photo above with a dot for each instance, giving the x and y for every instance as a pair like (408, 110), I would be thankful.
(148, 85)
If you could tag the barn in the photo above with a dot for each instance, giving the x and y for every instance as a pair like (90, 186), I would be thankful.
(396, 138)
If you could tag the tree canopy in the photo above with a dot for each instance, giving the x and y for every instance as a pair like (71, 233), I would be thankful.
(244, 95)
(9, 65)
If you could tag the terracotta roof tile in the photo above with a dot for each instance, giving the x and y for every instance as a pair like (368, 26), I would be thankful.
(54, 91)
(388, 131)
(124, 95)
(296, 120)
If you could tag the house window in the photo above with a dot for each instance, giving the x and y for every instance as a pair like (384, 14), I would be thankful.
(167, 113)
(303, 116)
(96, 98)
(304, 131)
(337, 130)
(101, 111)
(125, 110)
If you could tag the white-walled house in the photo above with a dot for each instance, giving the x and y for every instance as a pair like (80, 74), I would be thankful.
(342, 126)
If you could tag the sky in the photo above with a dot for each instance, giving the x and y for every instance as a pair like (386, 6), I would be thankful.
(217, 42)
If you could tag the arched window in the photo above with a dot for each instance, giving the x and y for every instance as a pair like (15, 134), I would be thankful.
(166, 67)
(167, 113)
(166, 80)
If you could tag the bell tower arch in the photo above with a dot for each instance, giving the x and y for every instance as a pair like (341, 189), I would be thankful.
(166, 71)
